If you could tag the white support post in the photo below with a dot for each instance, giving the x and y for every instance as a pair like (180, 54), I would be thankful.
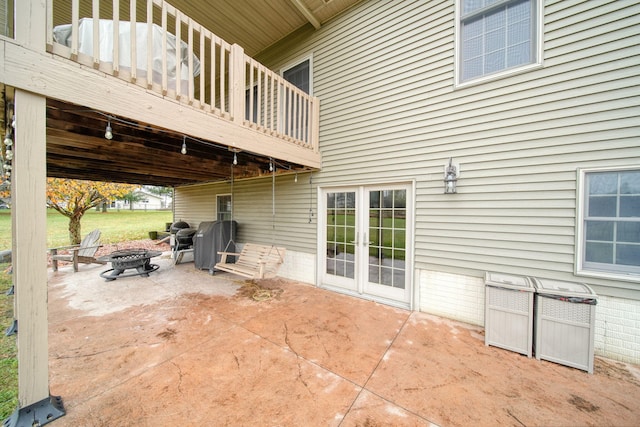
(29, 258)
(29, 224)
(29, 234)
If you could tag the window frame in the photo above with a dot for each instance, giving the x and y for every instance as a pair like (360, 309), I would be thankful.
(294, 63)
(591, 270)
(283, 124)
(218, 196)
(538, 50)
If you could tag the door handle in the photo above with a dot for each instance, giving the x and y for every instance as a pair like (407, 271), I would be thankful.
(365, 239)
(355, 242)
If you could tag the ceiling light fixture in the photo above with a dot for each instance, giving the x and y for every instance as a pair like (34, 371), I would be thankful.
(108, 132)
(183, 150)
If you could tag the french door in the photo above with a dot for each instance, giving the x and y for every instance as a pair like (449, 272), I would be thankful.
(366, 235)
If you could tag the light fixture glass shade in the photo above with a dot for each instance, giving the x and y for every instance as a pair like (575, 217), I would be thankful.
(450, 184)
(450, 178)
(183, 150)
(108, 132)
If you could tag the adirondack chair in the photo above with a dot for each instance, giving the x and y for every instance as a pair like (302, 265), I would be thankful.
(82, 253)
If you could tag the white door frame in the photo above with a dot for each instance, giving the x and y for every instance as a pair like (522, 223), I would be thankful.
(358, 287)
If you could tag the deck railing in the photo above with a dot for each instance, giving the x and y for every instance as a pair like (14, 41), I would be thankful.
(152, 44)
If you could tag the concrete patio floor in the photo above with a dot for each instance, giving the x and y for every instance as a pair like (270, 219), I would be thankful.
(183, 348)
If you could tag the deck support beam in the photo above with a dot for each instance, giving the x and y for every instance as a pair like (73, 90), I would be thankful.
(307, 13)
(29, 235)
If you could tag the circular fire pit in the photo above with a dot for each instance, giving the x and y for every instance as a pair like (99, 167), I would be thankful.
(121, 260)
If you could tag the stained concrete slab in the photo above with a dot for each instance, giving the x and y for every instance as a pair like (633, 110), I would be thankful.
(182, 347)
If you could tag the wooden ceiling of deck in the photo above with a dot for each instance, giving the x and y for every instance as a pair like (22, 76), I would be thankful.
(257, 24)
(253, 24)
(138, 153)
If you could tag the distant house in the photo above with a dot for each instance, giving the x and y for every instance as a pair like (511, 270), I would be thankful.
(144, 201)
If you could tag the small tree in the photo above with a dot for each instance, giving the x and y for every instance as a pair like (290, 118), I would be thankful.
(72, 198)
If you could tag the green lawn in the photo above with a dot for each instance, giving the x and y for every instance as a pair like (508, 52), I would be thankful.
(116, 226)
(387, 239)
(8, 355)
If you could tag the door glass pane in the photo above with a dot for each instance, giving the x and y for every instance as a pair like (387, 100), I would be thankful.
(341, 234)
(386, 238)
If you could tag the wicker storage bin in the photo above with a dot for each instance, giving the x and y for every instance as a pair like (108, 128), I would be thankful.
(509, 312)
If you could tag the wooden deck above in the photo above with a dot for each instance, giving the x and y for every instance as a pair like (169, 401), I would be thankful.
(204, 93)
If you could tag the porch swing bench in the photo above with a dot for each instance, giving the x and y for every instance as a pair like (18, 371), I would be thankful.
(253, 262)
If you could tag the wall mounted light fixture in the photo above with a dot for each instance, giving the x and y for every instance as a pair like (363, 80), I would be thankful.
(450, 177)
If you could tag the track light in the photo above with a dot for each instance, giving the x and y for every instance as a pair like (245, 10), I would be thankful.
(184, 145)
(108, 132)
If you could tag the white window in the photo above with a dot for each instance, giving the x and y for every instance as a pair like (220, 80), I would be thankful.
(496, 36)
(609, 228)
(299, 74)
(296, 117)
(223, 203)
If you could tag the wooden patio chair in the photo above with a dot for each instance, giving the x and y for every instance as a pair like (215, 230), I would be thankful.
(82, 253)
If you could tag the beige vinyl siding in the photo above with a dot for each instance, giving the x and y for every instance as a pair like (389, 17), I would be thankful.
(197, 203)
(253, 209)
(384, 72)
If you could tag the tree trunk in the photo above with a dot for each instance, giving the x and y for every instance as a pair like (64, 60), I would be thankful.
(74, 231)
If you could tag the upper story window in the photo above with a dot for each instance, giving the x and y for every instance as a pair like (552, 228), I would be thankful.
(299, 75)
(496, 36)
(610, 222)
(296, 118)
